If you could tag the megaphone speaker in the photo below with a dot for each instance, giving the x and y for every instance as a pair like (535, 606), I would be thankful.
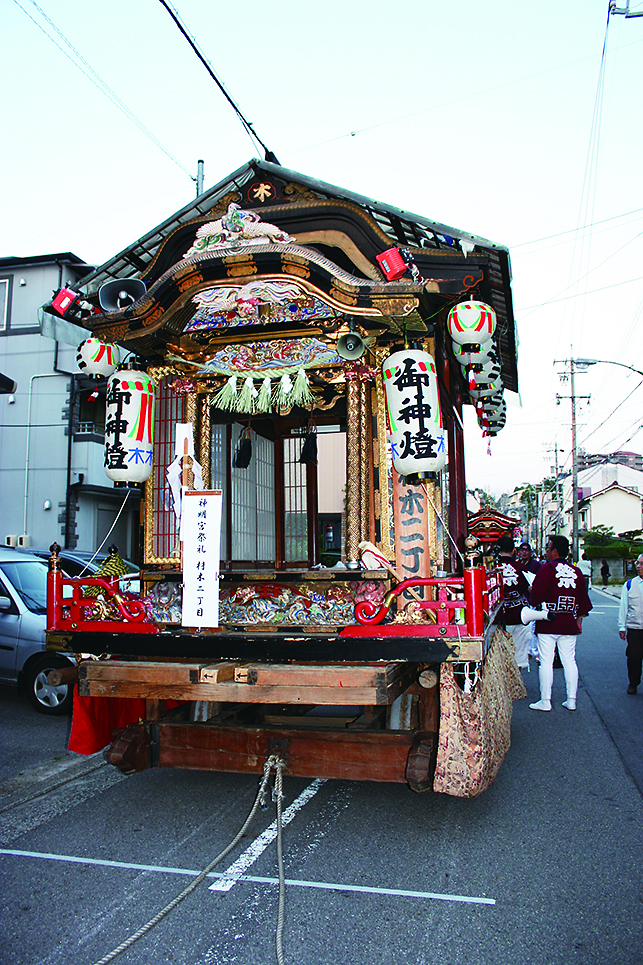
(351, 347)
(120, 293)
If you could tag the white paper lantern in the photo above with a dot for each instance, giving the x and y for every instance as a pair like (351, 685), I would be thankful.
(476, 354)
(95, 357)
(486, 371)
(471, 322)
(129, 427)
(494, 406)
(484, 389)
(495, 425)
(417, 437)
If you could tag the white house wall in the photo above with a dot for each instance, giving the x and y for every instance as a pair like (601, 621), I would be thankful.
(24, 354)
(615, 508)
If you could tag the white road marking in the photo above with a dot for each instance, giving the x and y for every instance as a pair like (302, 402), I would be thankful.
(257, 848)
(293, 882)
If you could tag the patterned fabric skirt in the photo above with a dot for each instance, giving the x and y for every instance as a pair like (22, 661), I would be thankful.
(475, 728)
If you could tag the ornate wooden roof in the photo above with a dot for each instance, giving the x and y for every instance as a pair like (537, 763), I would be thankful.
(335, 236)
(489, 524)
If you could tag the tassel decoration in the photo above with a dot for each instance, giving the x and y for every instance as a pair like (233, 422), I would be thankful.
(247, 396)
(264, 401)
(301, 391)
(226, 397)
(282, 394)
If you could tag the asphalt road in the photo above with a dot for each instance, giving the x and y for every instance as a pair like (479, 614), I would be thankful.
(542, 869)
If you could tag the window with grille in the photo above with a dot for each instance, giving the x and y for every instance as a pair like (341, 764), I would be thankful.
(170, 409)
(295, 511)
(252, 503)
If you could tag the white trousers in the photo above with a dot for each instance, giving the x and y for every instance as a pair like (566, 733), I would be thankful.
(566, 643)
(522, 641)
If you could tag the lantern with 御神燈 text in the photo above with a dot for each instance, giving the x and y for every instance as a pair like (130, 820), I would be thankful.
(129, 427)
(95, 357)
(416, 434)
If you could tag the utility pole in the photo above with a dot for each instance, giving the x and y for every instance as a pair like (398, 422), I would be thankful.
(623, 10)
(199, 177)
(573, 365)
(572, 368)
(557, 489)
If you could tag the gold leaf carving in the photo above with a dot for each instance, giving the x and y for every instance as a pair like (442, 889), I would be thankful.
(152, 317)
(189, 280)
(299, 270)
(297, 192)
(222, 205)
(247, 268)
(112, 332)
(290, 257)
(395, 306)
(343, 297)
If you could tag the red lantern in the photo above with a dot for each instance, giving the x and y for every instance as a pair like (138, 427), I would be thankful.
(392, 264)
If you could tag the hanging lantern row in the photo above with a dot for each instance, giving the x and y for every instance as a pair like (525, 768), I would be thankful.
(472, 325)
(417, 437)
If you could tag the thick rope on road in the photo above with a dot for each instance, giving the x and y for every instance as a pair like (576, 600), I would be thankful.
(272, 763)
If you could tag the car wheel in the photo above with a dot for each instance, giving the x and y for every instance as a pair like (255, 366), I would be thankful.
(44, 697)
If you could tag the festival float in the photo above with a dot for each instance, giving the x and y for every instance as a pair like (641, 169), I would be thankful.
(271, 313)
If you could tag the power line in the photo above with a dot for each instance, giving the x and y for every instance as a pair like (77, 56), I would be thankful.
(193, 44)
(607, 418)
(592, 291)
(89, 72)
(457, 100)
(571, 231)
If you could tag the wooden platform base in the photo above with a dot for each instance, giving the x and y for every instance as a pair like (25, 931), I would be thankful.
(375, 756)
(230, 682)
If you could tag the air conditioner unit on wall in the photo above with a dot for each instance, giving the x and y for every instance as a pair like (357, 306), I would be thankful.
(23, 540)
(11, 541)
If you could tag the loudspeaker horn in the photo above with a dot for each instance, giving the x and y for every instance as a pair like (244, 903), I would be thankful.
(120, 293)
(351, 346)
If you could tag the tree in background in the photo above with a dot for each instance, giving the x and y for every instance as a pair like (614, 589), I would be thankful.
(599, 536)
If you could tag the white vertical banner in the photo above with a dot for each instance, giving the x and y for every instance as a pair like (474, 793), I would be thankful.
(201, 537)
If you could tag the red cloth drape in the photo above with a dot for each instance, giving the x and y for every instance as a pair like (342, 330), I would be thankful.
(95, 718)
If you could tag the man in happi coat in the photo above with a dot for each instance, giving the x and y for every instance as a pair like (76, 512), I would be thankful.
(516, 596)
(559, 586)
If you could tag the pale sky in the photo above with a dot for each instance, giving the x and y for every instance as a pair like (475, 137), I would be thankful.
(492, 116)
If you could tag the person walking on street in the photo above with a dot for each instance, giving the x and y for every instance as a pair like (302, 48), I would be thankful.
(585, 566)
(530, 567)
(516, 590)
(630, 625)
(559, 586)
(605, 572)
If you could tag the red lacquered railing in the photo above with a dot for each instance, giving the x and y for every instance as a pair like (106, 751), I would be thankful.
(481, 593)
(96, 614)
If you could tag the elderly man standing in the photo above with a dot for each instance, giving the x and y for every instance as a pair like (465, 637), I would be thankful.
(560, 587)
(630, 625)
